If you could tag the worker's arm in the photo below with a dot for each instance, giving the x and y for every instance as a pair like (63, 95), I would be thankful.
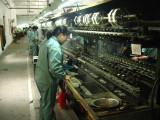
(55, 62)
(29, 35)
(141, 58)
(144, 58)
(32, 36)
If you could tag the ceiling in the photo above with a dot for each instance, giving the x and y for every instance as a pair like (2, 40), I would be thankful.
(30, 7)
(34, 7)
(28, 10)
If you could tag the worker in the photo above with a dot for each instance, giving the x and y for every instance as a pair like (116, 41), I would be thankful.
(49, 72)
(33, 40)
(149, 54)
(29, 38)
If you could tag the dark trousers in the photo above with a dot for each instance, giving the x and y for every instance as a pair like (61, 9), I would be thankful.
(47, 102)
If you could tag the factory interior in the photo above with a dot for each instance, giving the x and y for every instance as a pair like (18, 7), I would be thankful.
(111, 54)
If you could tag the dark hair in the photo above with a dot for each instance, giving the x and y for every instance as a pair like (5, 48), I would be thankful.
(30, 27)
(49, 34)
(57, 31)
(35, 27)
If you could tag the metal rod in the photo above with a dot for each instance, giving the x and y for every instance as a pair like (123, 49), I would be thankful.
(105, 18)
(125, 16)
(151, 22)
(129, 16)
(104, 33)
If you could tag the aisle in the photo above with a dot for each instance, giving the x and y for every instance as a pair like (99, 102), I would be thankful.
(14, 95)
(19, 97)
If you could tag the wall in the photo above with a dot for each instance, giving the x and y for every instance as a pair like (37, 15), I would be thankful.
(9, 14)
(22, 19)
(28, 11)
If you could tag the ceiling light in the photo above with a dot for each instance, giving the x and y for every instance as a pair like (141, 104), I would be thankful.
(67, 3)
(57, 15)
(48, 13)
(40, 18)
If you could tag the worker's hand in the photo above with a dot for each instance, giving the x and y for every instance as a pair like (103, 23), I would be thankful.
(40, 40)
(141, 58)
(36, 39)
(67, 77)
(144, 57)
(135, 58)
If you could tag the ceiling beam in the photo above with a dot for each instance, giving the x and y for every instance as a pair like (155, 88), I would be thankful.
(31, 5)
(27, 1)
(26, 8)
(29, 15)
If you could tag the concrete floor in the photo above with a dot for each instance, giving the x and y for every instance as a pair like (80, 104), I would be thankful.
(19, 97)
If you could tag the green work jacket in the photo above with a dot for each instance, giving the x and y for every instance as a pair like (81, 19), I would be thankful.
(33, 36)
(49, 69)
(28, 36)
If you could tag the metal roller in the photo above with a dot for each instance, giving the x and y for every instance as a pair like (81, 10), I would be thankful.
(120, 17)
(110, 17)
(97, 18)
(64, 21)
(89, 19)
(85, 19)
(80, 20)
(75, 20)
(116, 17)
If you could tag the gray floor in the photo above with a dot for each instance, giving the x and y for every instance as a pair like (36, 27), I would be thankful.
(14, 99)
(19, 97)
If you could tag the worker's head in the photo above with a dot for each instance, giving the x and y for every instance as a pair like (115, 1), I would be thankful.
(30, 28)
(35, 28)
(62, 33)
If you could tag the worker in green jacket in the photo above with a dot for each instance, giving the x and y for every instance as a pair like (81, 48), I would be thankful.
(29, 34)
(49, 72)
(29, 37)
(33, 40)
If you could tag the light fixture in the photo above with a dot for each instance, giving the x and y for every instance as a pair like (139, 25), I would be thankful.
(48, 13)
(43, 24)
(58, 14)
(69, 2)
(41, 18)
(49, 24)
(23, 25)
